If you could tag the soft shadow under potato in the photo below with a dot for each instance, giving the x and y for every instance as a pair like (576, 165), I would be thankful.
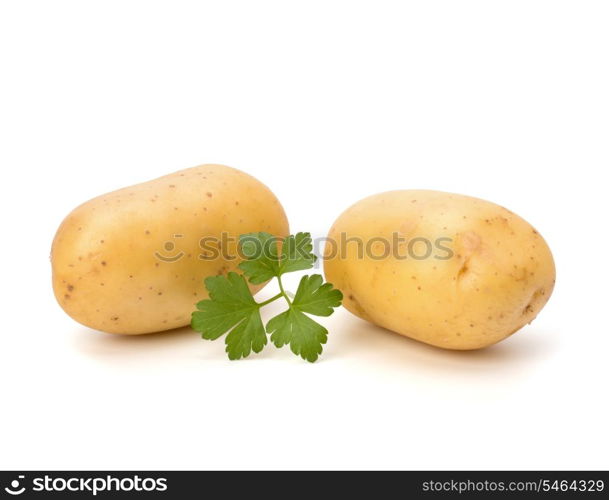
(362, 340)
(180, 343)
(106, 345)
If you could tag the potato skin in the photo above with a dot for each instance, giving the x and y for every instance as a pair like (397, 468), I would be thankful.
(500, 275)
(115, 258)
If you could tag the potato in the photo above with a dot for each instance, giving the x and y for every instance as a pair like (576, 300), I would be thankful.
(449, 270)
(133, 261)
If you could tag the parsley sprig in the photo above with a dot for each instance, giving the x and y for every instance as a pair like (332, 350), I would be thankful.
(231, 307)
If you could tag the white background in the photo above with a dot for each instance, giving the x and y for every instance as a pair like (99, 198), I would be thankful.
(326, 102)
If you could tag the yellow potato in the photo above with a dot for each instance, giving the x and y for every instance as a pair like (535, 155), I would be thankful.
(449, 270)
(133, 261)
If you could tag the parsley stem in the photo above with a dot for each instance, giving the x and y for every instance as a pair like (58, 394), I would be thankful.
(272, 299)
(285, 295)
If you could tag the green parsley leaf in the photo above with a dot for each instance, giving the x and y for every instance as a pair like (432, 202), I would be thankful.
(230, 307)
(297, 253)
(293, 327)
(264, 261)
(313, 296)
(304, 335)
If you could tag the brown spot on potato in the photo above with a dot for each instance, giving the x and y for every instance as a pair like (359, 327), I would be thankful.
(530, 307)
(103, 263)
(70, 288)
(360, 310)
(209, 195)
(463, 271)
(114, 318)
